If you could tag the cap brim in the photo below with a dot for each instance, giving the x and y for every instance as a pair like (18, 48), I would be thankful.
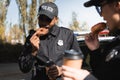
(46, 13)
(93, 3)
(88, 4)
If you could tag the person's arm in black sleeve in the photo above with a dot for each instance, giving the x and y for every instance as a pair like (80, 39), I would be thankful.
(90, 77)
(26, 59)
(74, 43)
(95, 56)
(97, 62)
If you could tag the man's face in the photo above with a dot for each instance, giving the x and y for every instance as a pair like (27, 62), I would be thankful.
(112, 17)
(43, 21)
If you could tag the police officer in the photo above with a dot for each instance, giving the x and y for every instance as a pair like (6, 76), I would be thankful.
(44, 48)
(105, 61)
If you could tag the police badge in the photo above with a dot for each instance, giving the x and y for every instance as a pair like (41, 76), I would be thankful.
(60, 42)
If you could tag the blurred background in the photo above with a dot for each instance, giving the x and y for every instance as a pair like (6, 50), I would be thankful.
(17, 17)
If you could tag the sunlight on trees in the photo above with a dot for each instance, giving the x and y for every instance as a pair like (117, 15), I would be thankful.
(27, 20)
(3, 11)
(75, 24)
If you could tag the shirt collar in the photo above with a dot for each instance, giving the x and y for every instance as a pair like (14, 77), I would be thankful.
(54, 30)
(115, 33)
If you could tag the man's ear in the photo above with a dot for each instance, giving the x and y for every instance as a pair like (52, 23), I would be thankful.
(117, 6)
(56, 19)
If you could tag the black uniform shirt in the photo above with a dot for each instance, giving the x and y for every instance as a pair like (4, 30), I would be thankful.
(105, 61)
(52, 46)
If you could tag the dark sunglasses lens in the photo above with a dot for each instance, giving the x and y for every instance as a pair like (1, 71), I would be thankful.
(98, 9)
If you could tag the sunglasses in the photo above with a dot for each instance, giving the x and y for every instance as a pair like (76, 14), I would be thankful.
(99, 8)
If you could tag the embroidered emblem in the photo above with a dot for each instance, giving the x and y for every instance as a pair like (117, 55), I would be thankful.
(60, 42)
(113, 53)
(48, 8)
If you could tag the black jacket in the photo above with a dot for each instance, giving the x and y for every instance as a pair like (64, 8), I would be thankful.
(105, 61)
(90, 77)
(52, 46)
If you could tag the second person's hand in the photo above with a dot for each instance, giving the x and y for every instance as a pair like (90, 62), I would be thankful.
(70, 73)
(92, 41)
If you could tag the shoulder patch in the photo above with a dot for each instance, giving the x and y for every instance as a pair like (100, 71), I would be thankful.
(113, 53)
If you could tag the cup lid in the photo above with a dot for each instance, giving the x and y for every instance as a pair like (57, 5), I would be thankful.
(72, 54)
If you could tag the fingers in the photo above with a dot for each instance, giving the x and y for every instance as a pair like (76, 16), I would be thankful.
(53, 72)
(91, 36)
(65, 68)
(68, 73)
(74, 74)
(38, 32)
(42, 31)
(66, 78)
(35, 41)
(70, 70)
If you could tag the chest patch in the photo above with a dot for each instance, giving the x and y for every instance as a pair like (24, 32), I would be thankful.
(60, 42)
(112, 54)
